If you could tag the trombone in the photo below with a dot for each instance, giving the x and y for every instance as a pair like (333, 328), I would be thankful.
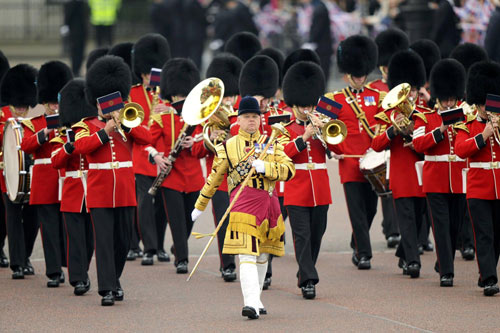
(132, 115)
(333, 131)
(492, 118)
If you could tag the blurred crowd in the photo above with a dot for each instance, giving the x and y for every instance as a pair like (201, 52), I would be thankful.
(193, 25)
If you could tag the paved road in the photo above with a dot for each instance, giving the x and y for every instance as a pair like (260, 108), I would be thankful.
(349, 300)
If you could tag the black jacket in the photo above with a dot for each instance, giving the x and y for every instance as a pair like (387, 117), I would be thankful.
(491, 43)
(445, 31)
(320, 33)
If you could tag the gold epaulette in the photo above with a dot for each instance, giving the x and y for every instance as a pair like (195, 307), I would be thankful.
(331, 95)
(461, 126)
(425, 109)
(288, 123)
(382, 116)
(85, 129)
(233, 114)
(421, 116)
(28, 123)
(156, 117)
(57, 139)
(470, 117)
(382, 95)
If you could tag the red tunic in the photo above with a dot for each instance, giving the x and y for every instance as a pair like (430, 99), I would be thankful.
(379, 85)
(310, 187)
(483, 180)
(75, 166)
(403, 179)
(358, 141)
(111, 183)
(186, 174)
(44, 178)
(442, 171)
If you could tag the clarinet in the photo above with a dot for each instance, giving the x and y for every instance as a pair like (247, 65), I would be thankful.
(172, 156)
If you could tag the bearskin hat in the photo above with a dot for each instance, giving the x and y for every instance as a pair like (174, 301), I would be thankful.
(4, 65)
(227, 68)
(303, 84)
(300, 55)
(18, 87)
(244, 45)
(483, 79)
(52, 76)
(178, 77)
(259, 77)
(150, 51)
(357, 55)
(278, 57)
(107, 75)
(406, 66)
(96, 54)
(447, 79)
(468, 54)
(429, 52)
(124, 51)
(389, 42)
(73, 105)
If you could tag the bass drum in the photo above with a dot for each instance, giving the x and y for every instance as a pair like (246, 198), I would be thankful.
(16, 163)
(373, 165)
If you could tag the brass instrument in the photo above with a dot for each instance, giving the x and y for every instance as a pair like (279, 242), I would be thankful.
(200, 104)
(492, 118)
(156, 98)
(130, 116)
(399, 100)
(218, 121)
(333, 131)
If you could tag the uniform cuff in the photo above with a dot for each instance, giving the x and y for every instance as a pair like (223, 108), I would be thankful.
(437, 135)
(391, 134)
(479, 141)
(41, 138)
(300, 144)
(69, 148)
(103, 136)
(126, 129)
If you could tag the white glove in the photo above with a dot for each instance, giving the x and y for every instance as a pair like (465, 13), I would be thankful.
(195, 214)
(259, 166)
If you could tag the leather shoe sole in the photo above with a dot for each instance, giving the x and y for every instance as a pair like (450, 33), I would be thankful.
(249, 312)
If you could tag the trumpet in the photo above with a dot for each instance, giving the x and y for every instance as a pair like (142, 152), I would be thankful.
(130, 116)
(494, 118)
(218, 121)
(399, 100)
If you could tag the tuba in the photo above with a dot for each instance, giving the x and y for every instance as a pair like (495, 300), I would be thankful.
(200, 104)
(218, 121)
(399, 100)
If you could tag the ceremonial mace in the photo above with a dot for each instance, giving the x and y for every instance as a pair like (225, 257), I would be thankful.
(277, 129)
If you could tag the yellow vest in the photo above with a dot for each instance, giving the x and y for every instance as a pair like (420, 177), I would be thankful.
(103, 12)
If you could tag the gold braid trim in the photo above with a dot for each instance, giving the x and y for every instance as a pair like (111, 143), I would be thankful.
(29, 124)
(84, 132)
(57, 139)
(246, 223)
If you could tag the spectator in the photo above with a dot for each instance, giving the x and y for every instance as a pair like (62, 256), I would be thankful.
(445, 31)
(76, 17)
(196, 29)
(103, 17)
(474, 17)
(491, 43)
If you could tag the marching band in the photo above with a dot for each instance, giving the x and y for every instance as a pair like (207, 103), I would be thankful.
(117, 155)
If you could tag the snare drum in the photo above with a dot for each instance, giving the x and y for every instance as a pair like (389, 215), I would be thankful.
(373, 166)
(16, 163)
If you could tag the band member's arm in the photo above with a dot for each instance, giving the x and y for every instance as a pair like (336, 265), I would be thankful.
(467, 145)
(32, 140)
(423, 137)
(282, 168)
(198, 149)
(219, 168)
(61, 152)
(384, 133)
(85, 142)
(139, 134)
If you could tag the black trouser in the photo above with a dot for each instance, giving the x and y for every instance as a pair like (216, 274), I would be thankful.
(425, 228)
(49, 218)
(362, 206)
(135, 238)
(104, 35)
(447, 214)
(3, 225)
(178, 207)
(220, 202)
(151, 217)
(410, 212)
(485, 218)
(466, 235)
(77, 51)
(112, 228)
(389, 221)
(308, 226)
(80, 245)
(22, 229)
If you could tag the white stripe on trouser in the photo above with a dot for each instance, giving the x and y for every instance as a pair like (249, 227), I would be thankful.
(250, 279)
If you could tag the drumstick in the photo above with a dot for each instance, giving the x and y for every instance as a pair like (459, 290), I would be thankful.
(351, 156)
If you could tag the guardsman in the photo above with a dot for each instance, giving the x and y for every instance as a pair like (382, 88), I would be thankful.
(150, 51)
(110, 183)
(4, 261)
(430, 54)
(408, 196)
(468, 54)
(243, 45)
(356, 58)
(388, 42)
(307, 195)
(52, 76)
(434, 136)
(478, 141)
(18, 93)
(227, 68)
(124, 51)
(73, 106)
(256, 226)
(181, 187)
(94, 55)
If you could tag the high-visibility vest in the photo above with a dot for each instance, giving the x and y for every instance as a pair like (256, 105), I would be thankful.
(103, 12)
